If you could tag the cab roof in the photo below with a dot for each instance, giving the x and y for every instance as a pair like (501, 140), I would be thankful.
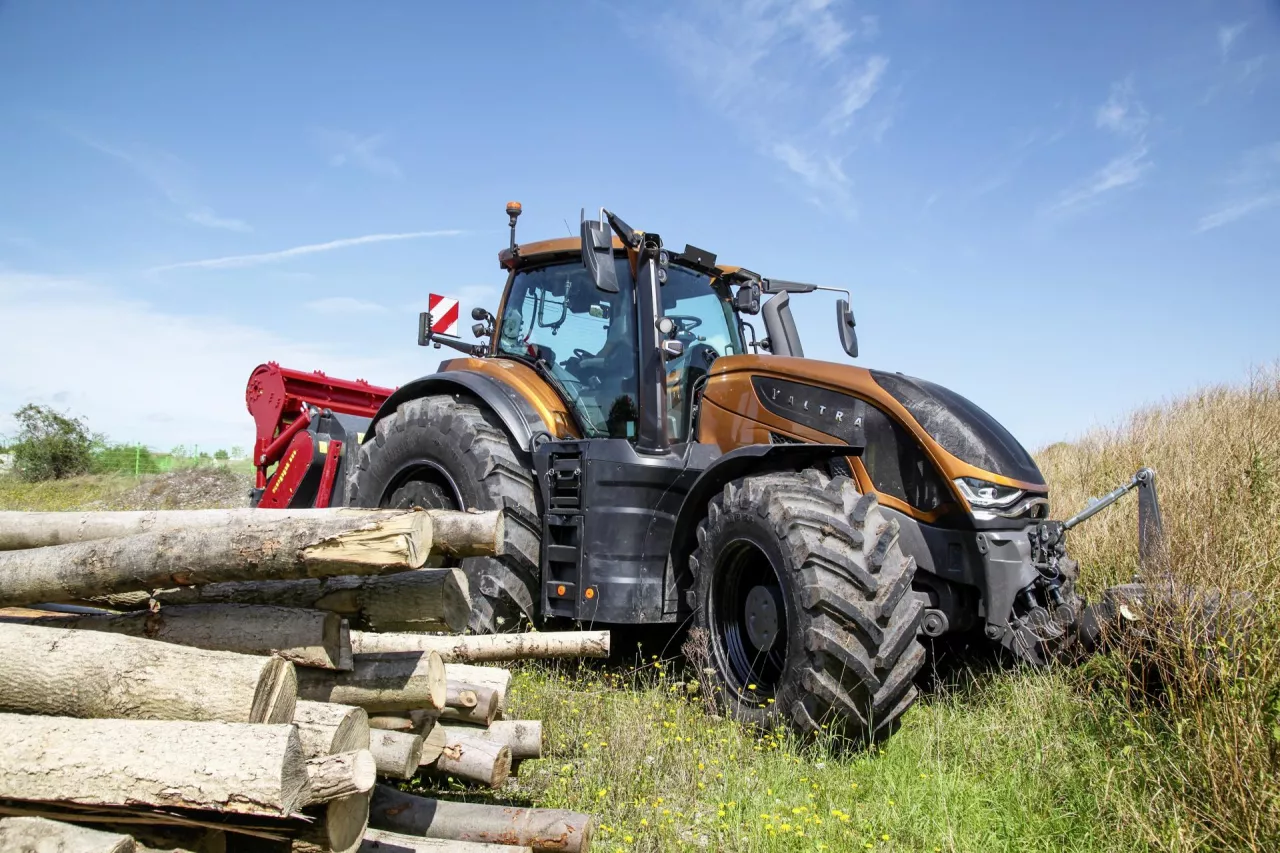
(545, 250)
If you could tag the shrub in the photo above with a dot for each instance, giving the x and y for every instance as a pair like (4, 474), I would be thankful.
(50, 445)
(124, 459)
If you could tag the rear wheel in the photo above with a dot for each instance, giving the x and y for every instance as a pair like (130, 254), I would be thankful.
(806, 598)
(446, 452)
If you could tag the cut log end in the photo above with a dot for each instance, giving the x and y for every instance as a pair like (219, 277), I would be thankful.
(330, 777)
(277, 695)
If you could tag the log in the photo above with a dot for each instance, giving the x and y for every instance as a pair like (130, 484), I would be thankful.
(255, 549)
(423, 600)
(85, 674)
(222, 767)
(488, 648)
(331, 777)
(459, 696)
(433, 743)
(475, 760)
(41, 835)
(327, 727)
(380, 683)
(539, 829)
(392, 722)
(339, 825)
(397, 754)
(523, 736)
(307, 637)
(493, 677)
(481, 713)
(379, 841)
(458, 534)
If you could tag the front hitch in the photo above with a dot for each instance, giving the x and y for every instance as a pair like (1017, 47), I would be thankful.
(1048, 616)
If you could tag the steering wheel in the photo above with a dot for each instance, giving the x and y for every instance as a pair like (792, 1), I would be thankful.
(581, 353)
(685, 322)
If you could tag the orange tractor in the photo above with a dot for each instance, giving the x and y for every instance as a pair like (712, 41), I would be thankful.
(660, 463)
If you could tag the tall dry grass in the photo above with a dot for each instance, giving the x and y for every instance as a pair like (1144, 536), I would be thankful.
(1191, 706)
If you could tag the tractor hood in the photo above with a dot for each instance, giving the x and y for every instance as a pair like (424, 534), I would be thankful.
(963, 439)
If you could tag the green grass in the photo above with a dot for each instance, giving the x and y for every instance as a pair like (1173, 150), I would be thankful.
(101, 491)
(1002, 763)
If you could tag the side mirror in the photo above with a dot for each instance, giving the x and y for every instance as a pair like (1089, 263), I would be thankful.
(747, 299)
(597, 254)
(848, 335)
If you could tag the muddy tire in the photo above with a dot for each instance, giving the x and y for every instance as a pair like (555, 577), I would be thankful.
(806, 599)
(447, 452)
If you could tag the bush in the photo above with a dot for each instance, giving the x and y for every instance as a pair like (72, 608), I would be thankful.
(50, 445)
(124, 459)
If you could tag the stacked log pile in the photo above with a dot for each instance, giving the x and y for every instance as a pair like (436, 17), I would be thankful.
(191, 681)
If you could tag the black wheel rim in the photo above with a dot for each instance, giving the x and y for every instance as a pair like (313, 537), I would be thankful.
(744, 569)
(422, 479)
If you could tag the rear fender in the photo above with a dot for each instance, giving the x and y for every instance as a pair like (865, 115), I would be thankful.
(751, 459)
(522, 421)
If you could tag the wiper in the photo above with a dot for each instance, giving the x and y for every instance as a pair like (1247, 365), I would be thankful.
(543, 369)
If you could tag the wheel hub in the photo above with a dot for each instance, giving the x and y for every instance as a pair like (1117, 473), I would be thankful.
(762, 617)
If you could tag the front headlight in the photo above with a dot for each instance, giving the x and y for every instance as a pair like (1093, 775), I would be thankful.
(980, 493)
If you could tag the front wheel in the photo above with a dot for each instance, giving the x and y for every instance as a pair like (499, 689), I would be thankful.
(805, 596)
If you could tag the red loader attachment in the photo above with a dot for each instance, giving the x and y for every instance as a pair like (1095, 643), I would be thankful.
(306, 422)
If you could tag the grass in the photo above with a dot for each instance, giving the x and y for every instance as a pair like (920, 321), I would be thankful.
(1096, 758)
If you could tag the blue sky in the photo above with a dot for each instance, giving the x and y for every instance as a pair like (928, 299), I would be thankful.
(1061, 210)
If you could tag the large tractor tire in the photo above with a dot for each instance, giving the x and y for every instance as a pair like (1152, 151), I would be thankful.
(447, 452)
(806, 599)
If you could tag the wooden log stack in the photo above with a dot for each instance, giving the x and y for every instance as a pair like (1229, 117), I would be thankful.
(190, 681)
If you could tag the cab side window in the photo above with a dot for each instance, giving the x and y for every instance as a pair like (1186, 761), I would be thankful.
(897, 465)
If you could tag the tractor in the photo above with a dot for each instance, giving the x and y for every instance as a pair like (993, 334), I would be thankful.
(661, 463)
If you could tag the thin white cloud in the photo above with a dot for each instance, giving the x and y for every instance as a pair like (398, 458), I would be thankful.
(232, 261)
(345, 305)
(165, 172)
(206, 217)
(1227, 35)
(793, 79)
(1237, 210)
(1123, 113)
(349, 149)
(1123, 171)
(1250, 188)
(858, 90)
(113, 352)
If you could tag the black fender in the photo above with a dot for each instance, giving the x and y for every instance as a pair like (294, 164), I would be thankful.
(521, 420)
(752, 459)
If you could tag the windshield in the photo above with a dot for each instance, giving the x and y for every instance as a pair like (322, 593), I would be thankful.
(581, 337)
(964, 430)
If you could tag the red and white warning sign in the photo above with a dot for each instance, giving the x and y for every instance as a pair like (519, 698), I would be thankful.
(444, 314)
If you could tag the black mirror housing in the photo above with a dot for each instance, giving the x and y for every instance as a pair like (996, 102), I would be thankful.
(747, 299)
(597, 254)
(845, 322)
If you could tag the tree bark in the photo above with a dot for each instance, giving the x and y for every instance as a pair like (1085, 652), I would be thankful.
(422, 600)
(255, 549)
(475, 760)
(80, 674)
(523, 736)
(40, 835)
(458, 534)
(380, 683)
(379, 841)
(540, 829)
(331, 777)
(493, 677)
(397, 754)
(326, 727)
(488, 648)
(315, 638)
(222, 767)
(481, 712)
